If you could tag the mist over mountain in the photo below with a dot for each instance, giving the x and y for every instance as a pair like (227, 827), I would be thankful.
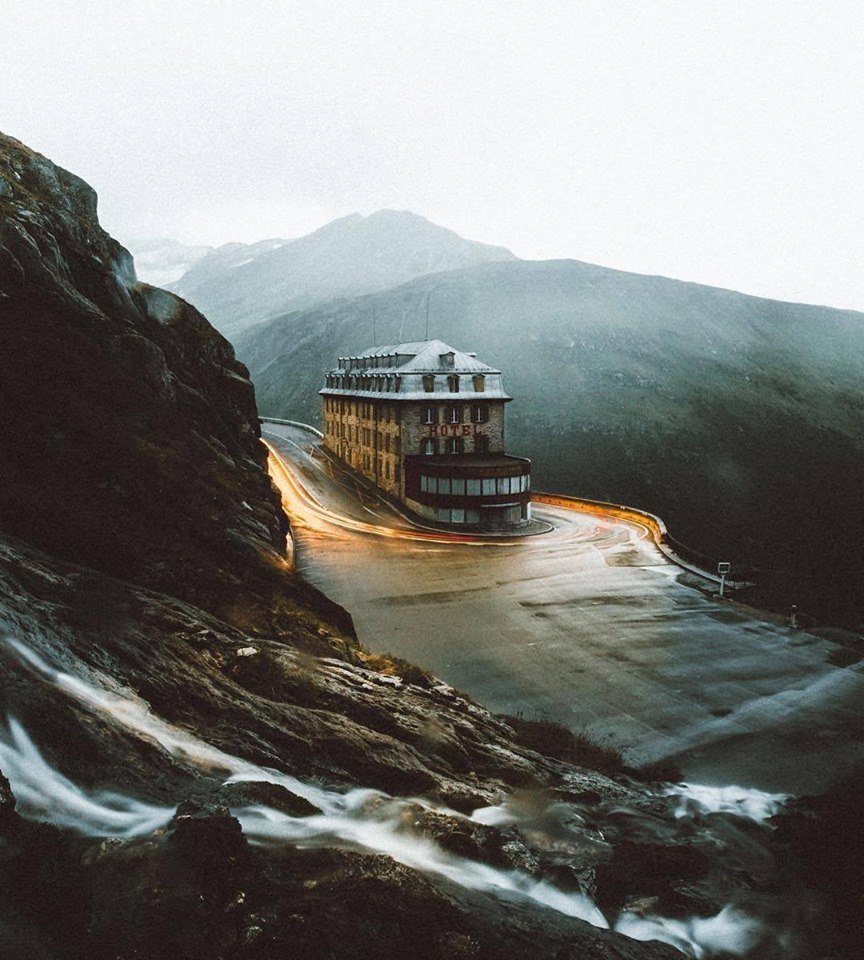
(740, 420)
(241, 284)
(162, 261)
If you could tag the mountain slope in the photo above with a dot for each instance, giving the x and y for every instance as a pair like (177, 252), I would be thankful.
(740, 420)
(239, 285)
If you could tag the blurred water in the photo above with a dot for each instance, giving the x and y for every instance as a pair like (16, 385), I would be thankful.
(365, 819)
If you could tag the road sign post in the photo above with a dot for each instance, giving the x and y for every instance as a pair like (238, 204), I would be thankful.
(723, 569)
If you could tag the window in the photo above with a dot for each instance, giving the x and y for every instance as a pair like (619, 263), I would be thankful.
(455, 415)
(472, 516)
(424, 483)
(479, 383)
(430, 415)
(397, 472)
(472, 488)
(457, 515)
(488, 486)
(444, 514)
(453, 383)
(481, 443)
(432, 484)
(455, 445)
(429, 383)
(480, 414)
(444, 485)
(503, 485)
(457, 487)
(428, 447)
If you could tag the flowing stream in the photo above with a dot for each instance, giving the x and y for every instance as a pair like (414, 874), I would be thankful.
(361, 818)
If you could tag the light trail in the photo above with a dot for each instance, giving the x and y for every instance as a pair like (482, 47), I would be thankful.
(302, 504)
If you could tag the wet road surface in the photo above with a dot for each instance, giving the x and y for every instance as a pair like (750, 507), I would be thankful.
(588, 625)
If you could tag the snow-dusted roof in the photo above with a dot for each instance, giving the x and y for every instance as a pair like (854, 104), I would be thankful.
(426, 356)
(396, 371)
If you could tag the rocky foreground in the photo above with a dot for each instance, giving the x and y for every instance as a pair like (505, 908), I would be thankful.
(201, 761)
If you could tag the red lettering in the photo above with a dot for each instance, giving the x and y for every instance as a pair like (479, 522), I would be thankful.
(466, 430)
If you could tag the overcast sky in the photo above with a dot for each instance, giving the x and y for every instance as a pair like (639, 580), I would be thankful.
(714, 141)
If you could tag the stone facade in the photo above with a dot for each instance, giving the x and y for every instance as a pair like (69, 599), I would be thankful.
(425, 423)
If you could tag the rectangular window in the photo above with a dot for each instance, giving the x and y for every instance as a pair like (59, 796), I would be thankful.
(472, 516)
(397, 473)
(428, 447)
(455, 414)
(432, 484)
(455, 445)
(424, 483)
(488, 486)
(472, 488)
(453, 383)
(457, 515)
(480, 414)
(429, 383)
(443, 514)
(457, 487)
(479, 383)
(430, 415)
(444, 486)
(503, 485)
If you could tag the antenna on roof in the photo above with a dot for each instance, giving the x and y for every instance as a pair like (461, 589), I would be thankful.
(374, 319)
(427, 314)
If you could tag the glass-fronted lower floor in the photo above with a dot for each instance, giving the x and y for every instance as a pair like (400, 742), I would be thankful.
(492, 492)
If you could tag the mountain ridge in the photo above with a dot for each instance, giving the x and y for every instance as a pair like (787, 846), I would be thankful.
(352, 255)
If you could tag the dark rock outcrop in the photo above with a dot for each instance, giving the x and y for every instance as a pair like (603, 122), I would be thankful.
(129, 438)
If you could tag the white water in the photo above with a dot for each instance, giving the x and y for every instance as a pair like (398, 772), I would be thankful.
(740, 801)
(365, 819)
(730, 931)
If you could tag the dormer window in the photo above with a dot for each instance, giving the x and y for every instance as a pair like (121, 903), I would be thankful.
(448, 359)
(429, 383)
(453, 383)
(479, 383)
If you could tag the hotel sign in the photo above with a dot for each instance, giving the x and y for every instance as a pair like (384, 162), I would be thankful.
(455, 429)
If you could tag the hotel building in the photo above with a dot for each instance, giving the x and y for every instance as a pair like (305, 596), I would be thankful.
(425, 423)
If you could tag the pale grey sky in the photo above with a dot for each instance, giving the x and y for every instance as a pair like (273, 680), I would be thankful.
(712, 140)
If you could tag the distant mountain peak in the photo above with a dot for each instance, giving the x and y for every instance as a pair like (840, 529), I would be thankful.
(239, 285)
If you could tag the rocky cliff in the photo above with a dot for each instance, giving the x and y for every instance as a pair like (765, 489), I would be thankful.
(129, 438)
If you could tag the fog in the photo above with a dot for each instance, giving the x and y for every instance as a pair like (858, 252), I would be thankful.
(714, 142)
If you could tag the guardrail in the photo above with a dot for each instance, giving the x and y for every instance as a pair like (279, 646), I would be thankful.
(293, 423)
(678, 553)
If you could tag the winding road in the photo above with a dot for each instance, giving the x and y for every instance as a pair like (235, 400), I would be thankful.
(588, 625)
